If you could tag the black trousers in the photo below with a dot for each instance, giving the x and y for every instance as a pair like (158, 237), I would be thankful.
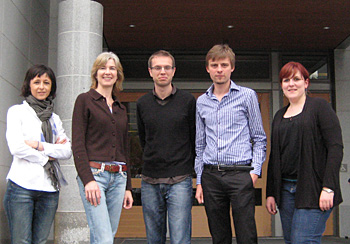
(222, 189)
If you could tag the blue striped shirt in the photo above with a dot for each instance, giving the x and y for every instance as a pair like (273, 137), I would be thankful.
(230, 131)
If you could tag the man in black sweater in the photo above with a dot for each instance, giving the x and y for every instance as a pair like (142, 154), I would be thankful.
(166, 125)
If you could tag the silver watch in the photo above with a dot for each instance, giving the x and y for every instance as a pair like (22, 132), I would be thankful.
(327, 190)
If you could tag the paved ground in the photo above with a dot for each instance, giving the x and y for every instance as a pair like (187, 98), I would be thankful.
(325, 240)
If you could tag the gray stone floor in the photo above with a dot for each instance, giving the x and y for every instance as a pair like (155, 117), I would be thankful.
(325, 240)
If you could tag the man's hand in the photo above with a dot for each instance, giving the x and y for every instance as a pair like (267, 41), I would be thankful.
(128, 200)
(199, 194)
(254, 178)
(93, 193)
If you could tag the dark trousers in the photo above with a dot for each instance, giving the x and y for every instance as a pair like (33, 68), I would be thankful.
(222, 189)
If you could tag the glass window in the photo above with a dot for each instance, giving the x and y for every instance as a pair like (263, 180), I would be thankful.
(192, 66)
(317, 65)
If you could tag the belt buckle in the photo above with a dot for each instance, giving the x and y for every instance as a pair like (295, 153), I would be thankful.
(221, 170)
(120, 168)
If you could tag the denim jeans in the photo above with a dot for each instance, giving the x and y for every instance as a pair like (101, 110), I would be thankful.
(103, 219)
(30, 213)
(287, 207)
(160, 200)
(300, 226)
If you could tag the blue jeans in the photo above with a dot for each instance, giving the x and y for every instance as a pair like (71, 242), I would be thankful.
(287, 207)
(30, 213)
(160, 200)
(300, 225)
(103, 219)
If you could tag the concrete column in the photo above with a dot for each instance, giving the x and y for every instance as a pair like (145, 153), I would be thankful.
(80, 25)
(342, 89)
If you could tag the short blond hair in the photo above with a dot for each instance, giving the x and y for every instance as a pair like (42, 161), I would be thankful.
(101, 61)
(220, 51)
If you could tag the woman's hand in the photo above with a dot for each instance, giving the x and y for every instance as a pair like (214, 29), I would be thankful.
(271, 205)
(326, 200)
(63, 141)
(93, 193)
(128, 200)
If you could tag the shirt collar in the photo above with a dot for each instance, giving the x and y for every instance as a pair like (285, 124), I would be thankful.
(233, 86)
(173, 91)
(97, 96)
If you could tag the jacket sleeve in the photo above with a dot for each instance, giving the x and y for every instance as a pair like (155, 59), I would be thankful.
(58, 151)
(332, 137)
(15, 138)
(270, 185)
(79, 128)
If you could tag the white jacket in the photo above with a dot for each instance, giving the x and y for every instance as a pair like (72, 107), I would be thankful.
(27, 168)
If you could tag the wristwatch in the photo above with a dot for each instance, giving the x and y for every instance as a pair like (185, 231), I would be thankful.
(327, 190)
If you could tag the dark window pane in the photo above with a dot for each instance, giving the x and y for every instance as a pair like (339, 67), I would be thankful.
(317, 65)
(192, 66)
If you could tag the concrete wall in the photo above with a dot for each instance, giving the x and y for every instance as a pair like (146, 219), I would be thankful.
(342, 87)
(24, 41)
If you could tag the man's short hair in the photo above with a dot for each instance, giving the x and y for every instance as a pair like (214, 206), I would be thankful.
(220, 51)
(160, 53)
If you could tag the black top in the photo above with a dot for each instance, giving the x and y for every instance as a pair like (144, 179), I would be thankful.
(167, 134)
(321, 153)
(289, 136)
(98, 134)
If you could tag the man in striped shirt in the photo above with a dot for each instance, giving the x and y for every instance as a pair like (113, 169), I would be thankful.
(230, 150)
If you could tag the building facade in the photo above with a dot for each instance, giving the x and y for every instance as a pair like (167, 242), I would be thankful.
(68, 35)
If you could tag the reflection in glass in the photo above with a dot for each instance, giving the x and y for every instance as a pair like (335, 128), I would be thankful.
(317, 65)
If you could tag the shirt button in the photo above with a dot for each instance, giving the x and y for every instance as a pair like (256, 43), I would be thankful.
(113, 145)
(113, 134)
(113, 121)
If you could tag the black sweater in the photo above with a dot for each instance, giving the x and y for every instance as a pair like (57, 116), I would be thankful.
(321, 153)
(167, 134)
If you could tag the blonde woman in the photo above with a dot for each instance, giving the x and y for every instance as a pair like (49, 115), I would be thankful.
(100, 149)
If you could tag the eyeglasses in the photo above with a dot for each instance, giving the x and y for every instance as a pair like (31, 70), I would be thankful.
(159, 68)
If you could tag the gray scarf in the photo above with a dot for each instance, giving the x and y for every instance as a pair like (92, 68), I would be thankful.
(44, 110)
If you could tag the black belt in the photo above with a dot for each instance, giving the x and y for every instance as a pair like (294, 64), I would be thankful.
(223, 167)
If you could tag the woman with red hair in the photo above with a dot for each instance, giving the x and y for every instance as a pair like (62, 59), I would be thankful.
(306, 154)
